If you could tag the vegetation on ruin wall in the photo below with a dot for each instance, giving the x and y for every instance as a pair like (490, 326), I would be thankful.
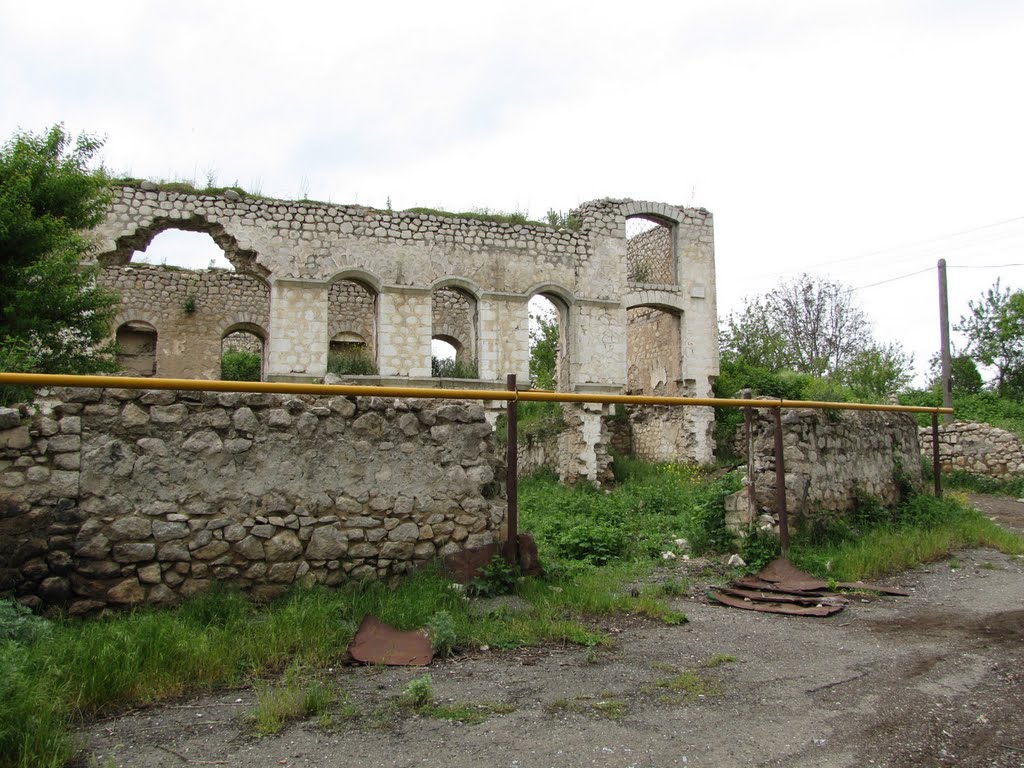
(553, 218)
(54, 318)
(599, 551)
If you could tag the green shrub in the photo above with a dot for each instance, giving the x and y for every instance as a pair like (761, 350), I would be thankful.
(240, 365)
(443, 632)
(450, 368)
(495, 579)
(419, 692)
(351, 362)
(19, 624)
(591, 541)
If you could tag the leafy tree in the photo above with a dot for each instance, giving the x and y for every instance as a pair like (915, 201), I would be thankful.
(55, 318)
(878, 370)
(963, 372)
(811, 327)
(994, 328)
(543, 351)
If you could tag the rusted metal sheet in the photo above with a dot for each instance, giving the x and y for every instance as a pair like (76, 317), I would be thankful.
(379, 643)
(781, 587)
(778, 597)
(790, 578)
(869, 587)
(774, 607)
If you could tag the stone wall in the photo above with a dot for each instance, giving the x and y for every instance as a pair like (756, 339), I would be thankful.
(125, 497)
(980, 449)
(830, 457)
(655, 345)
(412, 264)
(191, 311)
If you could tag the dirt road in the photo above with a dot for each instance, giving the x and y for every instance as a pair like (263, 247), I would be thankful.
(927, 680)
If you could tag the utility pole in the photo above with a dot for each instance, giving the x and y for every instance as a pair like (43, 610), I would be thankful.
(947, 383)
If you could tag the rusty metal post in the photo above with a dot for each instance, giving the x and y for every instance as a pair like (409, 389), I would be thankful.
(936, 464)
(748, 421)
(512, 474)
(780, 484)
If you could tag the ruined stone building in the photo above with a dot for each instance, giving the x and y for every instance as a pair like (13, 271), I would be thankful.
(633, 285)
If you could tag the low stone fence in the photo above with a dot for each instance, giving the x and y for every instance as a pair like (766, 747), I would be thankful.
(980, 449)
(830, 457)
(122, 497)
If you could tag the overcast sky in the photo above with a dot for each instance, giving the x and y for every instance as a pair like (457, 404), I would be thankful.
(860, 141)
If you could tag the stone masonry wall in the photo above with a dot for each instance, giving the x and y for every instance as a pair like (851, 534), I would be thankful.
(829, 456)
(191, 311)
(127, 497)
(980, 449)
(302, 249)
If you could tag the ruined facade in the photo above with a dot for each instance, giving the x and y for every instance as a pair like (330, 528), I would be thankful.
(634, 286)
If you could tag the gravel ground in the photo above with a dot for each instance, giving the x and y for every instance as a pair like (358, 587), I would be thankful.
(933, 679)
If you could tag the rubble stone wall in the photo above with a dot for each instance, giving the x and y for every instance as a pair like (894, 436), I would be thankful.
(127, 497)
(980, 449)
(830, 457)
(191, 312)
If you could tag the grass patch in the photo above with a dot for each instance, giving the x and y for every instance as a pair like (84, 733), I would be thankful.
(965, 481)
(718, 660)
(921, 530)
(292, 699)
(418, 696)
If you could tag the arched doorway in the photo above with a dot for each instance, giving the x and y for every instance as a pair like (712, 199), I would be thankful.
(136, 348)
(242, 353)
(453, 333)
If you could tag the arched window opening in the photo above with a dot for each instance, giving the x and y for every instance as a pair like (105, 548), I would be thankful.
(136, 348)
(182, 249)
(650, 256)
(453, 324)
(653, 351)
(241, 356)
(352, 328)
(349, 356)
(549, 367)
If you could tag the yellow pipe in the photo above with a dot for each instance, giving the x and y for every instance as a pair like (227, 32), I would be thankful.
(282, 388)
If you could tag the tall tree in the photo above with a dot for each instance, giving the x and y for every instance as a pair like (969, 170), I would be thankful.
(808, 324)
(813, 326)
(994, 327)
(55, 318)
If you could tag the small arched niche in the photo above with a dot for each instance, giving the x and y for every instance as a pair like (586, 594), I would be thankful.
(242, 353)
(136, 348)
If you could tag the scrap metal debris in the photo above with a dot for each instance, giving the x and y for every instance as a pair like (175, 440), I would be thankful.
(783, 588)
(379, 643)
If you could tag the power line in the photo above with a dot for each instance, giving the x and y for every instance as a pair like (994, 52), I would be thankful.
(891, 279)
(928, 269)
(916, 243)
